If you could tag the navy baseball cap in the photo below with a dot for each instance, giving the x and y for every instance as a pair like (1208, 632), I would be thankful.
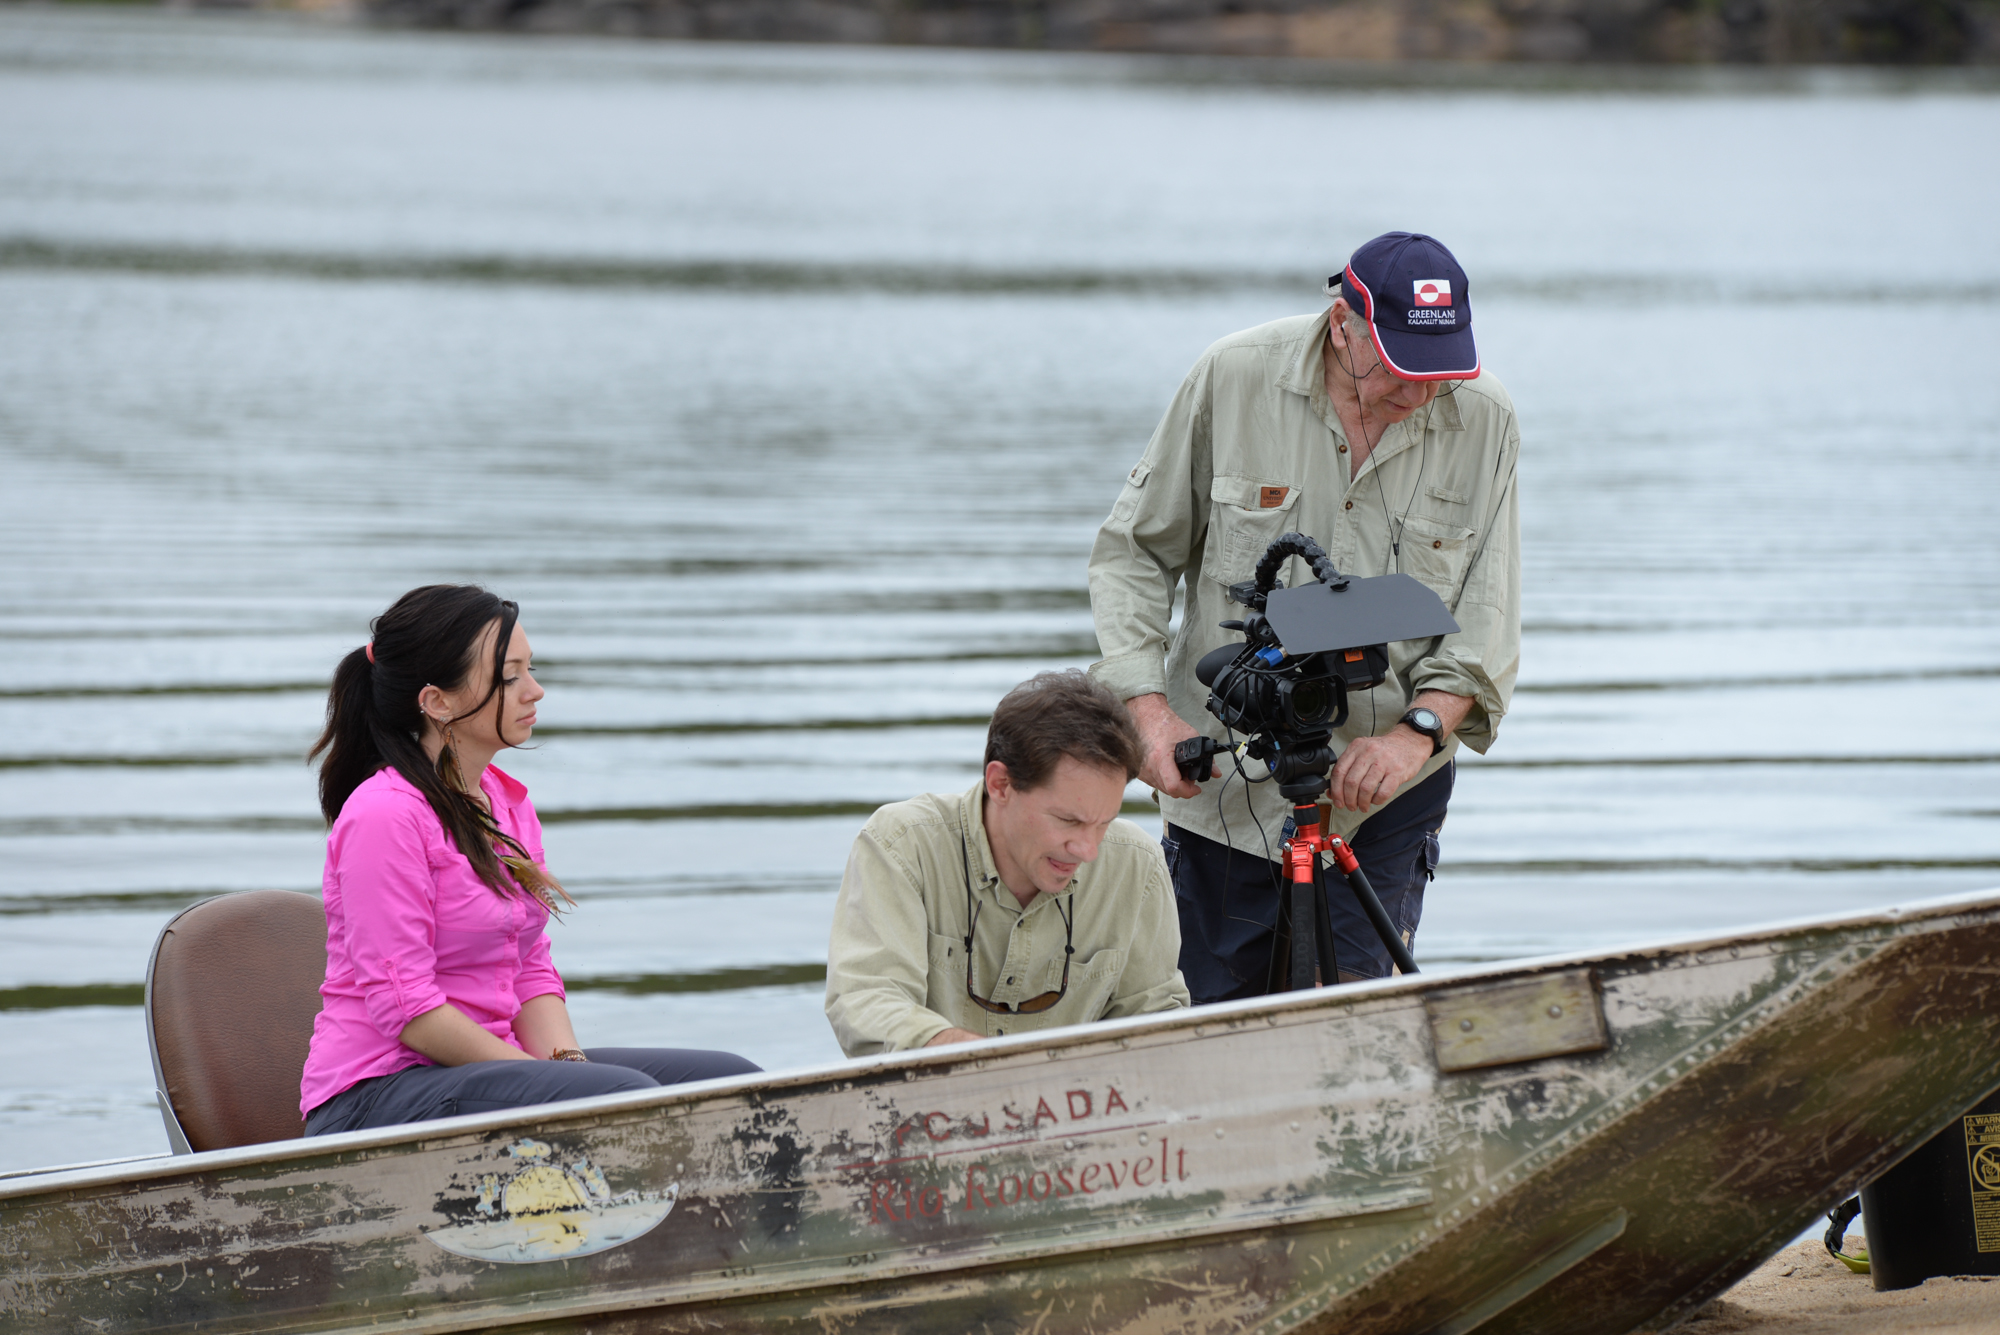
(1413, 295)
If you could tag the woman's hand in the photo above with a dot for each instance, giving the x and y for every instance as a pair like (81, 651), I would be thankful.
(448, 1037)
(543, 1025)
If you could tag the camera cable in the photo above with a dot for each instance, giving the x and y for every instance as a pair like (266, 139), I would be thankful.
(1229, 849)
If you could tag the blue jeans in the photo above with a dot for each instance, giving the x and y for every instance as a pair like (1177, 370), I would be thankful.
(421, 1093)
(1228, 899)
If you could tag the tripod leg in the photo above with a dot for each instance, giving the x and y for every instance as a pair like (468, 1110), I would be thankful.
(1305, 964)
(1329, 967)
(1278, 978)
(1372, 906)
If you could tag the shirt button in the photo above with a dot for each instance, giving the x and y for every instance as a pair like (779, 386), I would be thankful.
(1343, 449)
(1438, 543)
(1348, 506)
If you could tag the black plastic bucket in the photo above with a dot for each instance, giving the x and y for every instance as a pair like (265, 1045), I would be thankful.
(1938, 1211)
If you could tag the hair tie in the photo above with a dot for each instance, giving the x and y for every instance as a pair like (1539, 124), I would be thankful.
(369, 649)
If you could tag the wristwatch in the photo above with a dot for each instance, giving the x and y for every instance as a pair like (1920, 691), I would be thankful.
(1427, 723)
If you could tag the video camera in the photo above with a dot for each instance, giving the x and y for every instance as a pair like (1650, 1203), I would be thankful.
(1304, 651)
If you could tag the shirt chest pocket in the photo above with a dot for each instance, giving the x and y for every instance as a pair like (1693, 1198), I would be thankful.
(1245, 516)
(944, 987)
(1435, 551)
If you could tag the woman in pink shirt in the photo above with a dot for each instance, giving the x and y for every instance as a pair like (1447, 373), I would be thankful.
(440, 997)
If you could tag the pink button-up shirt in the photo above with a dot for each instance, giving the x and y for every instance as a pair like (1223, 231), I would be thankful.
(410, 926)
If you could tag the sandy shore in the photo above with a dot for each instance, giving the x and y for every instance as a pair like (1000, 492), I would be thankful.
(1803, 1291)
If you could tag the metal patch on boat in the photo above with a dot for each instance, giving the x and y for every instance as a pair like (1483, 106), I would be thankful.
(542, 1209)
(1547, 1016)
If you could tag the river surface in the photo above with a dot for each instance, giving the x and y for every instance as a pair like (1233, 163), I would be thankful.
(785, 387)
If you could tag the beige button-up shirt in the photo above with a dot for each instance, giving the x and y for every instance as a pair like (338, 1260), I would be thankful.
(895, 973)
(1251, 448)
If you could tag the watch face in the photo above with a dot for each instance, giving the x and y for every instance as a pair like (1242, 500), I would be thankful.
(1423, 718)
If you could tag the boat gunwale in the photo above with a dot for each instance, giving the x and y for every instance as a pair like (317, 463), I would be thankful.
(765, 1087)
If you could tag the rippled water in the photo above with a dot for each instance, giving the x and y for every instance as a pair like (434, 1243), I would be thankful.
(785, 388)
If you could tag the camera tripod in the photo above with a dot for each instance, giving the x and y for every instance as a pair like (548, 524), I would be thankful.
(1311, 955)
(1300, 762)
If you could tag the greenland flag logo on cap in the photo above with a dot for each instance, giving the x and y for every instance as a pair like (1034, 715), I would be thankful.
(1433, 291)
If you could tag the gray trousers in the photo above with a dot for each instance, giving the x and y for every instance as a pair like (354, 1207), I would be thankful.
(421, 1093)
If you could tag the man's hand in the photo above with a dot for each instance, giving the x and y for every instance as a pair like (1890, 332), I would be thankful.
(954, 1036)
(1160, 730)
(1371, 769)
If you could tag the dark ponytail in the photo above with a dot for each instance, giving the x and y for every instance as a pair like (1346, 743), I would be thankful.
(426, 638)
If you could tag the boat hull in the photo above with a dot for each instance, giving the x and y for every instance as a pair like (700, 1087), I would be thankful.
(1583, 1145)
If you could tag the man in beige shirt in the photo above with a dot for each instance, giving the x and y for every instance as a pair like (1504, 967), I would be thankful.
(1021, 904)
(1371, 428)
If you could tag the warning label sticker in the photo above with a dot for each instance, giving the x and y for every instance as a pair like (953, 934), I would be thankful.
(1982, 1155)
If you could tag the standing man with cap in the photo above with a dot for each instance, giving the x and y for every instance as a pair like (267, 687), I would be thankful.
(1370, 428)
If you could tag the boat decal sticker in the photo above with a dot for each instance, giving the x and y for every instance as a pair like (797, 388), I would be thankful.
(540, 1208)
(1982, 1147)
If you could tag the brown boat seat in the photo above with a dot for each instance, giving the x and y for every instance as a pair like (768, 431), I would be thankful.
(231, 995)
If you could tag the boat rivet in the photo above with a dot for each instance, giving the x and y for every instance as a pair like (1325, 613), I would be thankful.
(397, 1264)
(1199, 1031)
(1142, 1137)
(1555, 1012)
(1218, 1133)
(107, 1283)
(1465, 1026)
(1295, 1126)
